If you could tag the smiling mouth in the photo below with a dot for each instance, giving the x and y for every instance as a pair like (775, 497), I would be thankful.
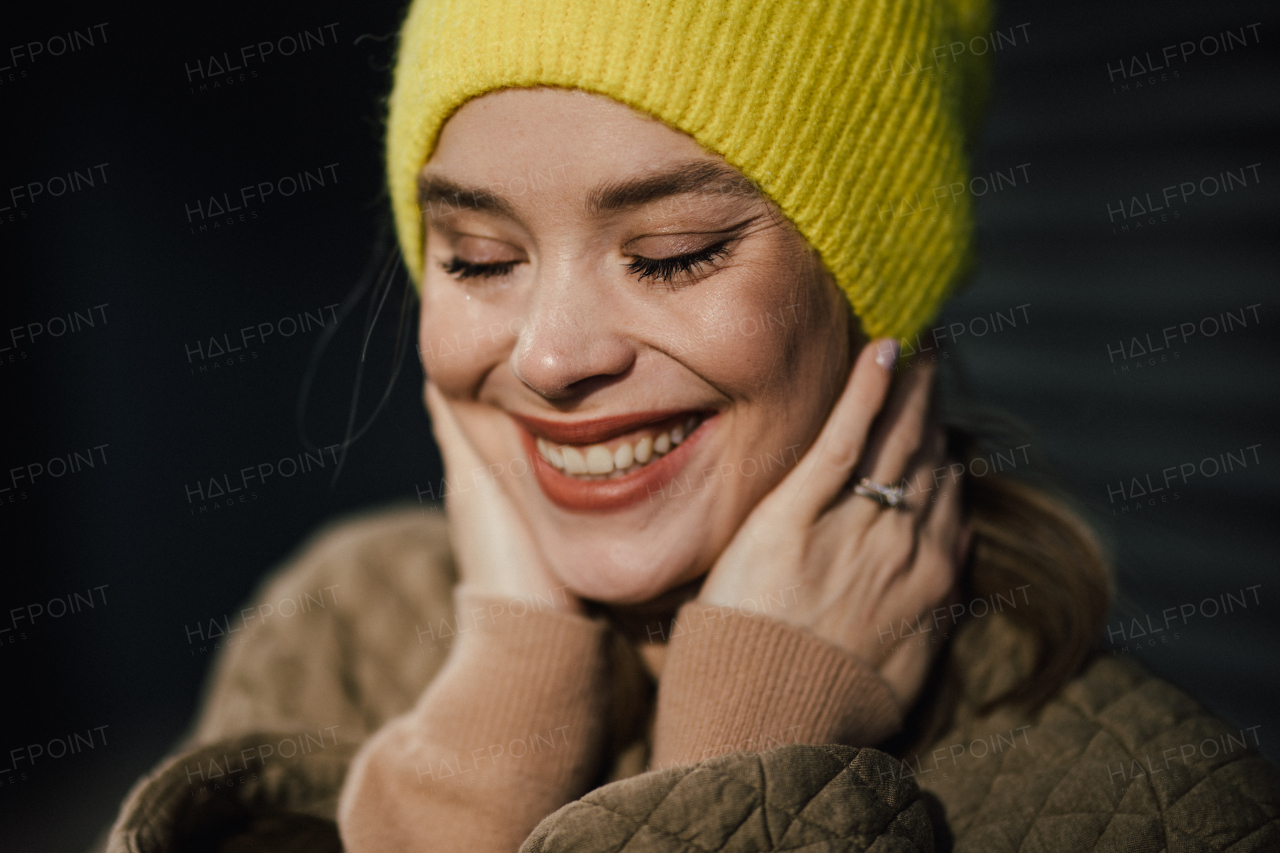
(622, 456)
(613, 462)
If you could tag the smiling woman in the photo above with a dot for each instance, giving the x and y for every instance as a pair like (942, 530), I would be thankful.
(648, 643)
(647, 247)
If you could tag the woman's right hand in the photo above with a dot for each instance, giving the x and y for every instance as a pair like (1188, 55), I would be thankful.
(457, 772)
(494, 547)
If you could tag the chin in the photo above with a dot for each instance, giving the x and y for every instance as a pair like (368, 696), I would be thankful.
(623, 570)
(602, 531)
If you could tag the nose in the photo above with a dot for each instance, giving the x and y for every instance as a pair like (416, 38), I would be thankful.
(574, 339)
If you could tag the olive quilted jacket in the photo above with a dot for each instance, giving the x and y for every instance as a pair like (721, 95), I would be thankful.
(1119, 760)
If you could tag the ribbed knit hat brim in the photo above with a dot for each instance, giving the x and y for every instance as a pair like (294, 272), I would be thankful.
(852, 115)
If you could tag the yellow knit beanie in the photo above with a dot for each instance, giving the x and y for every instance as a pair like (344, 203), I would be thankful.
(852, 115)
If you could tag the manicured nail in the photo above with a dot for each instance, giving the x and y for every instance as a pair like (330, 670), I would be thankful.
(887, 353)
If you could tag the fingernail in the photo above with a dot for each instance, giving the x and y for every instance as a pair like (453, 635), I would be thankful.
(887, 353)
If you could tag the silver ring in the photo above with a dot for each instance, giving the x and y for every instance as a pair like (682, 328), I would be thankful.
(890, 496)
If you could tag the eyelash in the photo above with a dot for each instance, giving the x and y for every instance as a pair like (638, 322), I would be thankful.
(662, 269)
(659, 269)
(465, 269)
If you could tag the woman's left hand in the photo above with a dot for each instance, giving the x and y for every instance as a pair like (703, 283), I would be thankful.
(858, 568)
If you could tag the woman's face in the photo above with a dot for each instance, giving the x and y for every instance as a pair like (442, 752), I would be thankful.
(638, 345)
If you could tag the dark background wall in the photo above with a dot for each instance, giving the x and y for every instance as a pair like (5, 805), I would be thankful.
(140, 393)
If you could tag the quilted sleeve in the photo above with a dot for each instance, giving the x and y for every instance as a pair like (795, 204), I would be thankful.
(1120, 760)
(344, 636)
(817, 799)
(1236, 807)
(346, 633)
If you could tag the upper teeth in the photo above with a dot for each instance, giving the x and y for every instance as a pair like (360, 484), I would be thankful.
(596, 460)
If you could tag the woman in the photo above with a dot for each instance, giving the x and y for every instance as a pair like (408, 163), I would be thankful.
(699, 522)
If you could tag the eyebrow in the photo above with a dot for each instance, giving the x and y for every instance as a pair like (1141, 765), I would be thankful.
(702, 178)
(695, 177)
(438, 190)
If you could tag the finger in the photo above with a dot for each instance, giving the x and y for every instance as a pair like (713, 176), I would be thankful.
(925, 471)
(823, 470)
(936, 570)
(900, 430)
(457, 453)
(929, 577)
(900, 438)
(455, 450)
(925, 590)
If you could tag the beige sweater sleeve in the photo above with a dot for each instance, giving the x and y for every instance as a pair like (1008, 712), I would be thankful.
(733, 682)
(507, 733)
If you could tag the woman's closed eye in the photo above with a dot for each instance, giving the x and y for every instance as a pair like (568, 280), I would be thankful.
(657, 269)
(663, 269)
(459, 268)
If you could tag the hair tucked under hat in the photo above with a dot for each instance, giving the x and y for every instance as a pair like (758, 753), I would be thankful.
(851, 115)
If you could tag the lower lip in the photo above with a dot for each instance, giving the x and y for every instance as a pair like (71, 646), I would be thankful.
(602, 495)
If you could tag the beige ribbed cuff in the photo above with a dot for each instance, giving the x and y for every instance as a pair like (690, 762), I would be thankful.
(509, 731)
(533, 676)
(733, 682)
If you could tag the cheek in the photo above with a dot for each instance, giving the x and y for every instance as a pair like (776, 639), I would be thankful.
(460, 340)
(759, 338)
(738, 343)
